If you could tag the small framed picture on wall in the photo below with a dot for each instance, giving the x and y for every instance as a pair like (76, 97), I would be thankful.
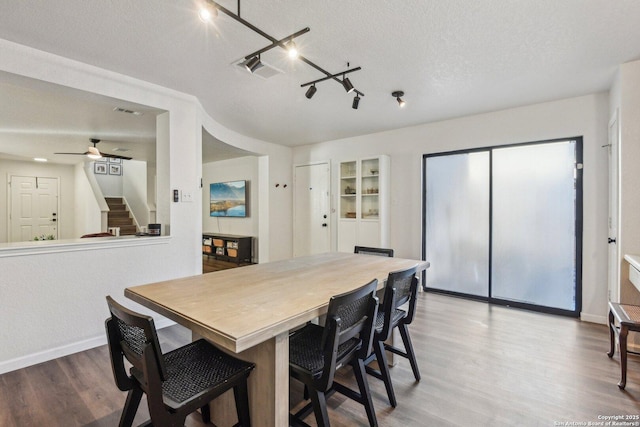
(100, 168)
(112, 160)
(115, 169)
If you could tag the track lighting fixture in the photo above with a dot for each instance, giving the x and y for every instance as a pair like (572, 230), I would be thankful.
(253, 64)
(311, 91)
(356, 101)
(397, 95)
(347, 85)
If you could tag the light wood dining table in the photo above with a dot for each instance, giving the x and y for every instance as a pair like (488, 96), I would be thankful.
(249, 311)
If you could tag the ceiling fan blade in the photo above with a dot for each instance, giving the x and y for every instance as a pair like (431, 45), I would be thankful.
(115, 156)
(75, 154)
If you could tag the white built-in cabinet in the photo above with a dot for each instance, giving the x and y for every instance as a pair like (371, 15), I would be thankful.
(363, 203)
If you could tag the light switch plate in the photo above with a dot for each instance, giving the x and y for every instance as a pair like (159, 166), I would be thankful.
(187, 196)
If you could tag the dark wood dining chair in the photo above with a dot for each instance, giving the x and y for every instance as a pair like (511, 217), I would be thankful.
(176, 383)
(401, 288)
(316, 352)
(366, 250)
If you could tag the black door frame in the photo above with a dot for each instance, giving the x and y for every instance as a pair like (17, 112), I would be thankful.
(578, 227)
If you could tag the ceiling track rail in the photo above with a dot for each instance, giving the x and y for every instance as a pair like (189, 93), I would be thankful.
(280, 43)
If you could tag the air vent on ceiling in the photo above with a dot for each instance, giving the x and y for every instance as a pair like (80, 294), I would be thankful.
(266, 71)
(121, 149)
(127, 111)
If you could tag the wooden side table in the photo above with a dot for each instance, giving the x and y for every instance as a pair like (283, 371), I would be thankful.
(628, 319)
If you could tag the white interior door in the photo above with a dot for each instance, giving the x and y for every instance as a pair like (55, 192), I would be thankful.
(34, 208)
(311, 230)
(614, 260)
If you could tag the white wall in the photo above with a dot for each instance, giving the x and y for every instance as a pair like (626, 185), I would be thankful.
(626, 96)
(66, 197)
(134, 189)
(585, 116)
(111, 185)
(243, 168)
(275, 205)
(87, 209)
(52, 300)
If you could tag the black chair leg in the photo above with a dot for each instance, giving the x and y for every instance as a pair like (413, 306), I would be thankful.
(365, 393)
(130, 407)
(404, 333)
(319, 402)
(242, 403)
(383, 365)
(206, 414)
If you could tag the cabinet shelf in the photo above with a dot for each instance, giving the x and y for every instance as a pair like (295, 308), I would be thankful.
(363, 204)
(227, 247)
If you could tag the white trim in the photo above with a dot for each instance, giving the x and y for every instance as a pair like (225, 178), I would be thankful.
(593, 318)
(72, 245)
(65, 350)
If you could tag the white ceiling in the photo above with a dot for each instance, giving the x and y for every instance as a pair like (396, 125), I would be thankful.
(451, 57)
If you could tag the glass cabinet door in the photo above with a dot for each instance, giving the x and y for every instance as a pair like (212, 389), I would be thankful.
(369, 189)
(348, 189)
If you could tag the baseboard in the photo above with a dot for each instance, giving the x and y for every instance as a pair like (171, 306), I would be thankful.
(593, 318)
(65, 350)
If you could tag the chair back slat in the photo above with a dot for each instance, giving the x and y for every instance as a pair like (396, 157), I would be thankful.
(132, 333)
(401, 281)
(401, 287)
(352, 308)
(365, 250)
(349, 315)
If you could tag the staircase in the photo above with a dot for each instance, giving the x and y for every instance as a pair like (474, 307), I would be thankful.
(118, 216)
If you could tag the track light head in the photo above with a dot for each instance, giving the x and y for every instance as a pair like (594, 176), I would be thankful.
(292, 50)
(347, 85)
(253, 64)
(207, 12)
(356, 101)
(397, 95)
(311, 91)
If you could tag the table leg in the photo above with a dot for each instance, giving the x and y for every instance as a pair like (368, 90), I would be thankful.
(268, 386)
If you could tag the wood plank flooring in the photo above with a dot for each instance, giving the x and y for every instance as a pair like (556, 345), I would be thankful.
(481, 365)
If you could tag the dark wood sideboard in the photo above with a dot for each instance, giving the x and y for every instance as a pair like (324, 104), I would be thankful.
(227, 247)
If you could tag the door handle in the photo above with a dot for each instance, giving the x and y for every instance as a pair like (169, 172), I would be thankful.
(324, 224)
(610, 240)
(53, 220)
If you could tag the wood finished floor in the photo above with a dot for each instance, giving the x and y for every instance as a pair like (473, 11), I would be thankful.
(481, 365)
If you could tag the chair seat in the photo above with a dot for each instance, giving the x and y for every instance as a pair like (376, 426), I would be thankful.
(197, 368)
(396, 317)
(305, 348)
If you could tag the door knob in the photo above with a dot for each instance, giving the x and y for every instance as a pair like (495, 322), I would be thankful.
(54, 220)
(324, 225)
(610, 240)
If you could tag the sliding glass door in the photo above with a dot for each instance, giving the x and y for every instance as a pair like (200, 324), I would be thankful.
(504, 224)
(457, 222)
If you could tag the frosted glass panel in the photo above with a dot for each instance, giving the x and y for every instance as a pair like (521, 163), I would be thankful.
(534, 224)
(457, 222)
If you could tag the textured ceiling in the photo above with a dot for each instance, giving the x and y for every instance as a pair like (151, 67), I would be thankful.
(451, 57)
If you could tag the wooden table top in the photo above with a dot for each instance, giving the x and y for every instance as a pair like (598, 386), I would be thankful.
(241, 307)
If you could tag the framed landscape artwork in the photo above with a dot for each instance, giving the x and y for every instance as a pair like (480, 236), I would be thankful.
(228, 199)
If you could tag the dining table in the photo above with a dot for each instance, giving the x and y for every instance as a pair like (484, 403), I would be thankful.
(249, 312)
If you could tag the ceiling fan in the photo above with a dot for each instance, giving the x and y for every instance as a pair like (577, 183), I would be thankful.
(93, 153)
